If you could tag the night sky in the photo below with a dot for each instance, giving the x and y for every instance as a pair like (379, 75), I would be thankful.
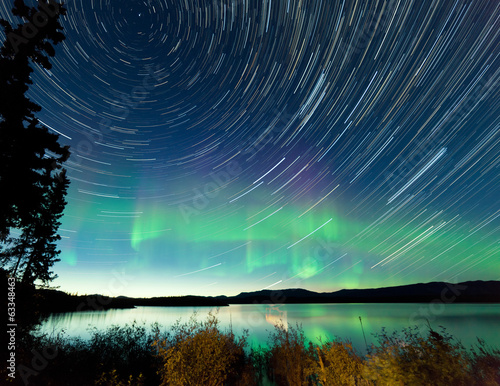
(228, 146)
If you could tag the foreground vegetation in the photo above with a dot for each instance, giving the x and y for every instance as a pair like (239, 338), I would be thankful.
(202, 353)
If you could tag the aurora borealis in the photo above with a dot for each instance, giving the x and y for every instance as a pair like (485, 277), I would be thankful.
(234, 145)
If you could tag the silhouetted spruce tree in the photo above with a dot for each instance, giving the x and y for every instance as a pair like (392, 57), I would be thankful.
(32, 181)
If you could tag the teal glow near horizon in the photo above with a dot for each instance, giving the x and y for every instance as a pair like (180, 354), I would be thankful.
(273, 247)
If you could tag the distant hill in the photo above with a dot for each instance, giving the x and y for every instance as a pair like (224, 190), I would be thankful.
(466, 292)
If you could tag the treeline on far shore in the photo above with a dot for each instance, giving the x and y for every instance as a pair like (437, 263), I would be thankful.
(51, 300)
(202, 353)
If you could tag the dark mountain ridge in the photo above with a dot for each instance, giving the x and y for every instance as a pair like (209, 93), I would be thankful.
(467, 292)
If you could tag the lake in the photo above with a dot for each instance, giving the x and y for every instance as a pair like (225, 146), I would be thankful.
(463, 321)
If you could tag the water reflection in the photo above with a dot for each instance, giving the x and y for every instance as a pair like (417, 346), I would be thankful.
(319, 321)
(276, 317)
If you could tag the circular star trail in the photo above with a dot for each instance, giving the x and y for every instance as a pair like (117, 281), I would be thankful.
(229, 146)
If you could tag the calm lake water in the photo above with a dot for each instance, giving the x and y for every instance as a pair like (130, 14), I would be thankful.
(463, 321)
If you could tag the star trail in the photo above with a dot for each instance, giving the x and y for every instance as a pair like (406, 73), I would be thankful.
(228, 146)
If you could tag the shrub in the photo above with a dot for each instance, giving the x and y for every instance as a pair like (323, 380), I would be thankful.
(112, 379)
(338, 364)
(199, 353)
(485, 365)
(116, 356)
(258, 360)
(415, 360)
(291, 359)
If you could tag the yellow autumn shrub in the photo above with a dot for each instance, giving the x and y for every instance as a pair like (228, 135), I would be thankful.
(339, 365)
(291, 359)
(413, 359)
(199, 353)
(112, 378)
